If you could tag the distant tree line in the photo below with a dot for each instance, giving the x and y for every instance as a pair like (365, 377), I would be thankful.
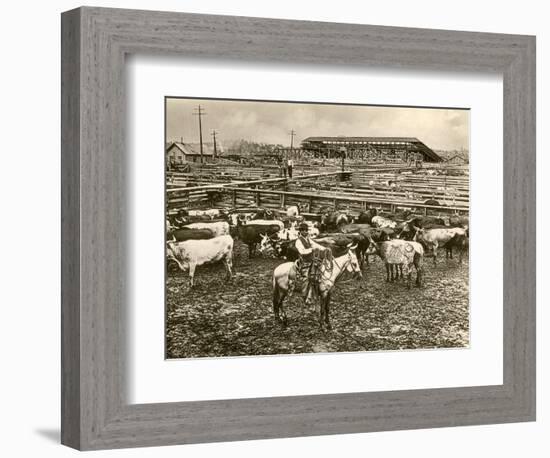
(246, 148)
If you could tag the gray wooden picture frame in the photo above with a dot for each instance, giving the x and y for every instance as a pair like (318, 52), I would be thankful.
(95, 411)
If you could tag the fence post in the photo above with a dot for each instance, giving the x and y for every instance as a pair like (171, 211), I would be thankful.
(257, 198)
(283, 200)
(234, 198)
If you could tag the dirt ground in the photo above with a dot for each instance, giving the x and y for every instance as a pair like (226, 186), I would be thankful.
(218, 318)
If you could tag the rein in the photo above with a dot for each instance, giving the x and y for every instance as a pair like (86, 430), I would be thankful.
(341, 267)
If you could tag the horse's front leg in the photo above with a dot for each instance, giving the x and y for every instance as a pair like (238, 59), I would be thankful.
(309, 297)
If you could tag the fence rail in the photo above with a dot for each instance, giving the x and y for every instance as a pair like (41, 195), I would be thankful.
(318, 191)
(312, 202)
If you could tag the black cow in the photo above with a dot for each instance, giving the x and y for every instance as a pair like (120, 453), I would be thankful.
(339, 243)
(263, 213)
(365, 217)
(458, 221)
(333, 220)
(287, 249)
(409, 228)
(251, 234)
(181, 235)
(460, 242)
(376, 234)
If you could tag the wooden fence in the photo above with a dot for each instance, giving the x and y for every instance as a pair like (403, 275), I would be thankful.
(220, 173)
(314, 203)
(202, 196)
(318, 191)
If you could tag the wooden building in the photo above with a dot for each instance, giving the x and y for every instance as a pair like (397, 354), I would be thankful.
(458, 159)
(387, 149)
(178, 153)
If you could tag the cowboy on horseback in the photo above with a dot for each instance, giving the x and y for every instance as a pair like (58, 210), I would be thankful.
(309, 263)
(316, 271)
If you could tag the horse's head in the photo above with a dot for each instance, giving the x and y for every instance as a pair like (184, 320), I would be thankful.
(353, 265)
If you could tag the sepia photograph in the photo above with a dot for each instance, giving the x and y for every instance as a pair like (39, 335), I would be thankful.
(295, 227)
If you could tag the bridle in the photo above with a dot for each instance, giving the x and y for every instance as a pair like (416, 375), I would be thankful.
(342, 268)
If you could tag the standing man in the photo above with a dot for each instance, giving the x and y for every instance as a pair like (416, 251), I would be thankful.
(280, 166)
(290, 164)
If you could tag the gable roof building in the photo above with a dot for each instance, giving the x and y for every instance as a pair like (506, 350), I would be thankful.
(180, 152)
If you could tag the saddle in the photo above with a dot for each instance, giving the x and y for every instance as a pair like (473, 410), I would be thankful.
(312, 270)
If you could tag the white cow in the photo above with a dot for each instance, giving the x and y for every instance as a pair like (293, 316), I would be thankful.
(380, 221)
(289, 234)
(169, 226)
(312, 229)
(434, 238)
(218, 228)
(212, 213)
(192, 253)
(292, 211)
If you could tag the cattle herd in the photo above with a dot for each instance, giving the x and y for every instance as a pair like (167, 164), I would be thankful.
(401, 240)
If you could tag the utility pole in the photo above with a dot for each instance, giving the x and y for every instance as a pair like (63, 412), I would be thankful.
(292, 135)
(215, 149)
(200, 113)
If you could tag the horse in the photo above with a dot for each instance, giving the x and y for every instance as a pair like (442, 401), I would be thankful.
(330, 272)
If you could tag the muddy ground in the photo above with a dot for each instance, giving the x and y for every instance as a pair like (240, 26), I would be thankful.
(219, 318)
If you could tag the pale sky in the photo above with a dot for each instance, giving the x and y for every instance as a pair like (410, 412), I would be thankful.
(271, 122)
